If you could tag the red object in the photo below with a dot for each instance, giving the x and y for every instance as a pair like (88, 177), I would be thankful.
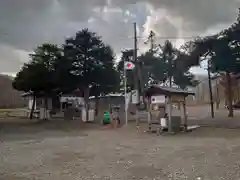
(129, 65)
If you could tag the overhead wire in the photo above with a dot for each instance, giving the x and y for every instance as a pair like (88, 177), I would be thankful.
(162, 37)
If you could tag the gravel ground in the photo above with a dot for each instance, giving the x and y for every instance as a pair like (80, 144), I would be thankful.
(204, 154)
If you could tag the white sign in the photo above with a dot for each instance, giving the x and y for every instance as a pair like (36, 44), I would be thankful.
(135, 96)
(158, 99)
(80, 100)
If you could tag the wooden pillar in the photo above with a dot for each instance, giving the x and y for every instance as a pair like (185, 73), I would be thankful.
(137, 118)
(149, 111)
(169, 103)
(217, 95)
(238, 87)
(184, 115)
(61, 106)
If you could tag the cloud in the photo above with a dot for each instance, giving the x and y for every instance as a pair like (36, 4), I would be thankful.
(196, 15)
(28, 23)
(11, 59)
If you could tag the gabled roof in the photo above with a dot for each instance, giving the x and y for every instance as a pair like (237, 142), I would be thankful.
(163, 90)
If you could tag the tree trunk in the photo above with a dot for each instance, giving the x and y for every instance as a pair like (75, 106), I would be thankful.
(229, 94)
(33, 107)
(217, 97)
(238, 96)
(170, 81)
(86, 98)
(45, 108)
(96, 106)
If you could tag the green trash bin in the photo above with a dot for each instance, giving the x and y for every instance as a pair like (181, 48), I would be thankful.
(106, 117)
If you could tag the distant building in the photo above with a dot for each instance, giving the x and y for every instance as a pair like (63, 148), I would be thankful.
(218, 88)
(55, 103)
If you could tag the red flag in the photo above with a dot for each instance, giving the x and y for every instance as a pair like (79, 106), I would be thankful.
(129, 65)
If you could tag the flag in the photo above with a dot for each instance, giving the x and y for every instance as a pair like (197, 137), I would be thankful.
(129, 65)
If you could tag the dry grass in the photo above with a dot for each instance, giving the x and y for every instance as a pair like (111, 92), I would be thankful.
(14, 113)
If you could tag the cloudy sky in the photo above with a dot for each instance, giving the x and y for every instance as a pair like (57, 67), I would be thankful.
(24, 24)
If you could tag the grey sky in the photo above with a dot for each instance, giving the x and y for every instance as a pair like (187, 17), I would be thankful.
(27, 23)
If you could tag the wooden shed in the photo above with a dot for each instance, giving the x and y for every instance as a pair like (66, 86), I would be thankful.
(172, 95)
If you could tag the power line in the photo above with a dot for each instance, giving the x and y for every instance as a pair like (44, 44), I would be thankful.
(171, 37)
(161, 37)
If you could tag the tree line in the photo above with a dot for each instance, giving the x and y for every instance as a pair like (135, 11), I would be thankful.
(85, 62)
(222, 50)
(82, 62)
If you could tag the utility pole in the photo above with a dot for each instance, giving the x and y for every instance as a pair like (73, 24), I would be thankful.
(136, 74)
(210, 89)
(151, 41)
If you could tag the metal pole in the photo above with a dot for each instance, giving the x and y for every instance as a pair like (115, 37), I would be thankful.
(136, 74)
(125, 95)
(136, 70)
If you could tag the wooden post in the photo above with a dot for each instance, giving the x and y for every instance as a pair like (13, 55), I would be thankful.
(182, 113)
(238, 88)
(217, 97)
(169, 114)
(185, 115)
(61, 106)
(149, 111)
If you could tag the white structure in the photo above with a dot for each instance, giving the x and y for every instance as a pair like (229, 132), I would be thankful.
(30, 103)
(39, 105)
(78, 102)
(91, 115)
(134, 97)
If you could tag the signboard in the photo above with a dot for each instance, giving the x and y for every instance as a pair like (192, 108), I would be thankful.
(80, 100)
(135, 96)
(158, 99)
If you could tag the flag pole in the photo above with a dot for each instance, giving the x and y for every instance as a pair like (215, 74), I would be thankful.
(125, 94)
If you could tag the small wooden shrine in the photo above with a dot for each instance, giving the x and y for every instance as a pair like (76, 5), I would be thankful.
(164, 107)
